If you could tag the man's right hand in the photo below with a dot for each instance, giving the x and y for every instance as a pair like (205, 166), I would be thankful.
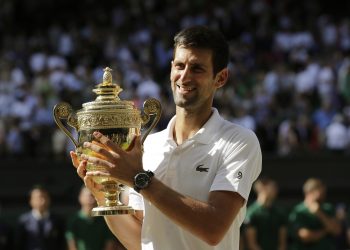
(94, 188)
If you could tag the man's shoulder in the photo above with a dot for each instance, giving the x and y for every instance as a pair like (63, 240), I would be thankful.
(25, 216)
(157, 136)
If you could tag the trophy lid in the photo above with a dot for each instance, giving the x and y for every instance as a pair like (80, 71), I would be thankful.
(107, 95)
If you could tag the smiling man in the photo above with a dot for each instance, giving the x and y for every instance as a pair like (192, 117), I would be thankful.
(191, 184)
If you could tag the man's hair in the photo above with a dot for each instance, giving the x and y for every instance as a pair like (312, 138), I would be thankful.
(39, 187)
(263, 181)
(203, 37)
(312, 184)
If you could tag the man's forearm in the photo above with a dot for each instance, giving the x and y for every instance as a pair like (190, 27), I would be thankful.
(189, 213)
(331, 225)
(307, 235)
(127, 228)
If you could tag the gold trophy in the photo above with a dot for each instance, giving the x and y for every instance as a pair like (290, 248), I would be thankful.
(119, 120)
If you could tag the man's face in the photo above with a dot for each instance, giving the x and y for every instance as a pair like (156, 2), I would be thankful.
(86, 199)
(39, 200)
(192, 80)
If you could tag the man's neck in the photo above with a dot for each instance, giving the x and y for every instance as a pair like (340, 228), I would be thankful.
(188, 123)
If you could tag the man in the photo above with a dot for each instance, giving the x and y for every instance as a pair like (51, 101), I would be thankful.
(39, 229)
(313, 224)
(265, 223)
(203, 166)
(85, 232)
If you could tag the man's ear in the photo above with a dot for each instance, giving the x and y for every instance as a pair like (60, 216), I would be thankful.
(221, 78)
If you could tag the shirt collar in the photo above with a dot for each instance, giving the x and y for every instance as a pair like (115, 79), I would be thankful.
(39, 216)
(205, 133)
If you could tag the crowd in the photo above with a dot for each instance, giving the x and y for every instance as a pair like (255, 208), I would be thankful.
(41, 228)
(289, 66)
(312, 223)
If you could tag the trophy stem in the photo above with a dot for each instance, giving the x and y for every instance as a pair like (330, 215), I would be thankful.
(112, 192)
(113, 205)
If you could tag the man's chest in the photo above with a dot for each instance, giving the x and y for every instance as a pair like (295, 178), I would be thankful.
(188, 169)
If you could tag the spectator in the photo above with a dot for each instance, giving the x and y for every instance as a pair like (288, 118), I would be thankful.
(40, 229)
(313, 224)
(343, 239)
(265, 223)
(337, 135)
(85, 232)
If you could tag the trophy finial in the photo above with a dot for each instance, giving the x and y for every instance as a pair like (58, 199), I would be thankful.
(107, 90)
(107, 76)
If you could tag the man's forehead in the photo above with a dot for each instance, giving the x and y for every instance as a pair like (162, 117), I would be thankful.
(192, 54)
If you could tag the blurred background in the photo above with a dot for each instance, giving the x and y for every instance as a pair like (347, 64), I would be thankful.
(289, 83)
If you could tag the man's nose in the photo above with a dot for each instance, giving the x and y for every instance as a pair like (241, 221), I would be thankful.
(185, 74)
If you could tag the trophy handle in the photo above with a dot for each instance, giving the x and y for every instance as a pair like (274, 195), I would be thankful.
(64, 111)
(151, 107)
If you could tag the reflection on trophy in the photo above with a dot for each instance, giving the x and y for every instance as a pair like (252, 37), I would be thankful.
(119, 120)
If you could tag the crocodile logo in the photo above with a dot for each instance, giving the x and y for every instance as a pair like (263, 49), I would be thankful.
(200, 168)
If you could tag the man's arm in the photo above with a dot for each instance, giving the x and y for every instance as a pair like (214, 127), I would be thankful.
(307, 235)
(127, 228)
(207, 220)
(282, 238)
(331, 225)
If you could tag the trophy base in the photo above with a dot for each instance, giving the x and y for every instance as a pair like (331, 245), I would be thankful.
(113, 210)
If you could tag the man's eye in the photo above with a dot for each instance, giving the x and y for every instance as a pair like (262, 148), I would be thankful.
(179, 66)
(197, 69)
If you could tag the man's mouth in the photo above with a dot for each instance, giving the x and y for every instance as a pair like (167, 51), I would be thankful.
(184, 89)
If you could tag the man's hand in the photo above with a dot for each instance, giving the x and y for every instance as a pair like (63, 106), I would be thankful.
(120, 164)
(89, 183)
(314, 207)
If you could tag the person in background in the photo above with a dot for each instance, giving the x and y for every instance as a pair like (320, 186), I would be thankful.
(40, 229)
(343, 239)
(265, 223)
(85, 232)
(312, 223)
(191, 182)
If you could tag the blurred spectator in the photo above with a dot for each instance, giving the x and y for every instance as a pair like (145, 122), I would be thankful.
(286, 59)
(265, 224)
(40, 229)
(343, 239)
(89, 233)
(337, 139)
(312, 223)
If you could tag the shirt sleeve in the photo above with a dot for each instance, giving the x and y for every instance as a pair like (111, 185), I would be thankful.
(136, 200)
(241, 165)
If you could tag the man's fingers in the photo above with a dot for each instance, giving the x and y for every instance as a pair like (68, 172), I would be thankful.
(107, 142)
(100, 149)
(97, 173)
(81, 169)
(97, 161)
(74, 158)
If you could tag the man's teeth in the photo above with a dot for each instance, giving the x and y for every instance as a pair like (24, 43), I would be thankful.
(185, 88)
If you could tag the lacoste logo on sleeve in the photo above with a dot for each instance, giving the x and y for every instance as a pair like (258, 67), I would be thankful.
(200, 168)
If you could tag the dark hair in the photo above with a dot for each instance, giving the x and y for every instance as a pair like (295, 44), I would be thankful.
(205, 38)
(40, 187)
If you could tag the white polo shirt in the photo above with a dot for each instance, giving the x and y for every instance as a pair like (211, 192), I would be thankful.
(220, 156)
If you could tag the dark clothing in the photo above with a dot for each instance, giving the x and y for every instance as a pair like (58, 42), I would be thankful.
(6, 240)
(301, 217)
(267, 221)
(43, 234)
(89, 233)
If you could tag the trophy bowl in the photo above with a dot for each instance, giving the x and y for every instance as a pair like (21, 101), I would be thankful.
(117, 119)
